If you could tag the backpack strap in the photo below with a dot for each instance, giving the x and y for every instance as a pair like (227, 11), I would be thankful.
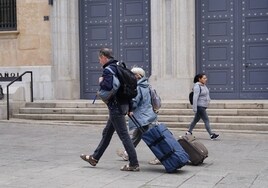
(122, 64)
(110, 70)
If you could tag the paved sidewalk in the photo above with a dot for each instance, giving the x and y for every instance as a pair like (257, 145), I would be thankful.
(39, 155)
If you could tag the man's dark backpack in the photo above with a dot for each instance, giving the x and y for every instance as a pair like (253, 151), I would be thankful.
(191, 96)
(128, 82)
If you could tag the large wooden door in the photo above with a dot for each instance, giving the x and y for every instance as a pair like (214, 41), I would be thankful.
(124, 26)
(232, 47)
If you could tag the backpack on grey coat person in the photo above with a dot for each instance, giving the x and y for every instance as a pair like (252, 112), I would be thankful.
(155, 99)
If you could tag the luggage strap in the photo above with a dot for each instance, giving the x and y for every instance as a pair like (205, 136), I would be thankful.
(166, 156)
(162, 137)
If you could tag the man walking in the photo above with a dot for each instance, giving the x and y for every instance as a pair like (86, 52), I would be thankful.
(116, 121)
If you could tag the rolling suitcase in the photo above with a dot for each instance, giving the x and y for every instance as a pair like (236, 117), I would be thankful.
(164, 146)
(196, 150)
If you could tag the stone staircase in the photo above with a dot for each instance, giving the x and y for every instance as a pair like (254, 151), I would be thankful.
(227, 115)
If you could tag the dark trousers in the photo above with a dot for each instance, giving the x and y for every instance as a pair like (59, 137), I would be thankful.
(116, 122)
(201, 114)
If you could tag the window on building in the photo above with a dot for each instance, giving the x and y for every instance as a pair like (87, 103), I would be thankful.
(8, 15)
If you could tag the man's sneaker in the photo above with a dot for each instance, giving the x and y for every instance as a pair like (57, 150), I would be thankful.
(130, 168)
(122, 154)
(214, 136)
(188, 133)
(90, 159)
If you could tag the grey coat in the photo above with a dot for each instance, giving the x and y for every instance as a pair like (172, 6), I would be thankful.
(200, 99)
(142, 107)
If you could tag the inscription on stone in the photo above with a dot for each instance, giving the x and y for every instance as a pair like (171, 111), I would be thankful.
(8, 76)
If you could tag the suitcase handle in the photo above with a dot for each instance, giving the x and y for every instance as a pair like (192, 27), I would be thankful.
(136, 123)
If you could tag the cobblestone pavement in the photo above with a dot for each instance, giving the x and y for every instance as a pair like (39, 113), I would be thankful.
(42, 155)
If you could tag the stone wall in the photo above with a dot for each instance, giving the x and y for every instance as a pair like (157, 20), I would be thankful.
(29, 48)
(65, 35)
(30, 45)
(51, 48)
(173, 47)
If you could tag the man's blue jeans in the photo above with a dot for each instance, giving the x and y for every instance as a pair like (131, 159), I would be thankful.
(116, 122)
(201, 114)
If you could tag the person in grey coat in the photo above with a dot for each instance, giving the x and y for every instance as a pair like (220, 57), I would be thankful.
(142, 109)
(201, 100)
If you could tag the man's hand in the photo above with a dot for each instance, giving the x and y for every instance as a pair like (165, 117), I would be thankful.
(130, 113)
(100, 79)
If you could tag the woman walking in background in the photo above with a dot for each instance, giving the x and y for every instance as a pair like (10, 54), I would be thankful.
(201, 101)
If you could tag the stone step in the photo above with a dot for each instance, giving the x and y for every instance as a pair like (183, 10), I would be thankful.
(218, 119)
(63, 111)
(101, 110)
(228, 115)
(180, 104)
(218, 112)
(161, 118)
(66, 104)
(177, 125)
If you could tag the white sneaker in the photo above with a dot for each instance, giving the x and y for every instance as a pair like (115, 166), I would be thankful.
(122, 154)
(154, 162)
(188, 133)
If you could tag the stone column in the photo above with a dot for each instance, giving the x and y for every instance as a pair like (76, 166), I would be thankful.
(65, 39)
(173, 47)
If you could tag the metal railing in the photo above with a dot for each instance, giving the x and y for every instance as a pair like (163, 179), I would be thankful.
(16, 79)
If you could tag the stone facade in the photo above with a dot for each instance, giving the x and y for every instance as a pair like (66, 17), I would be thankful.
(65, 34)
(51, 48)
(29, 48)
(30, 45)
(173, 47)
